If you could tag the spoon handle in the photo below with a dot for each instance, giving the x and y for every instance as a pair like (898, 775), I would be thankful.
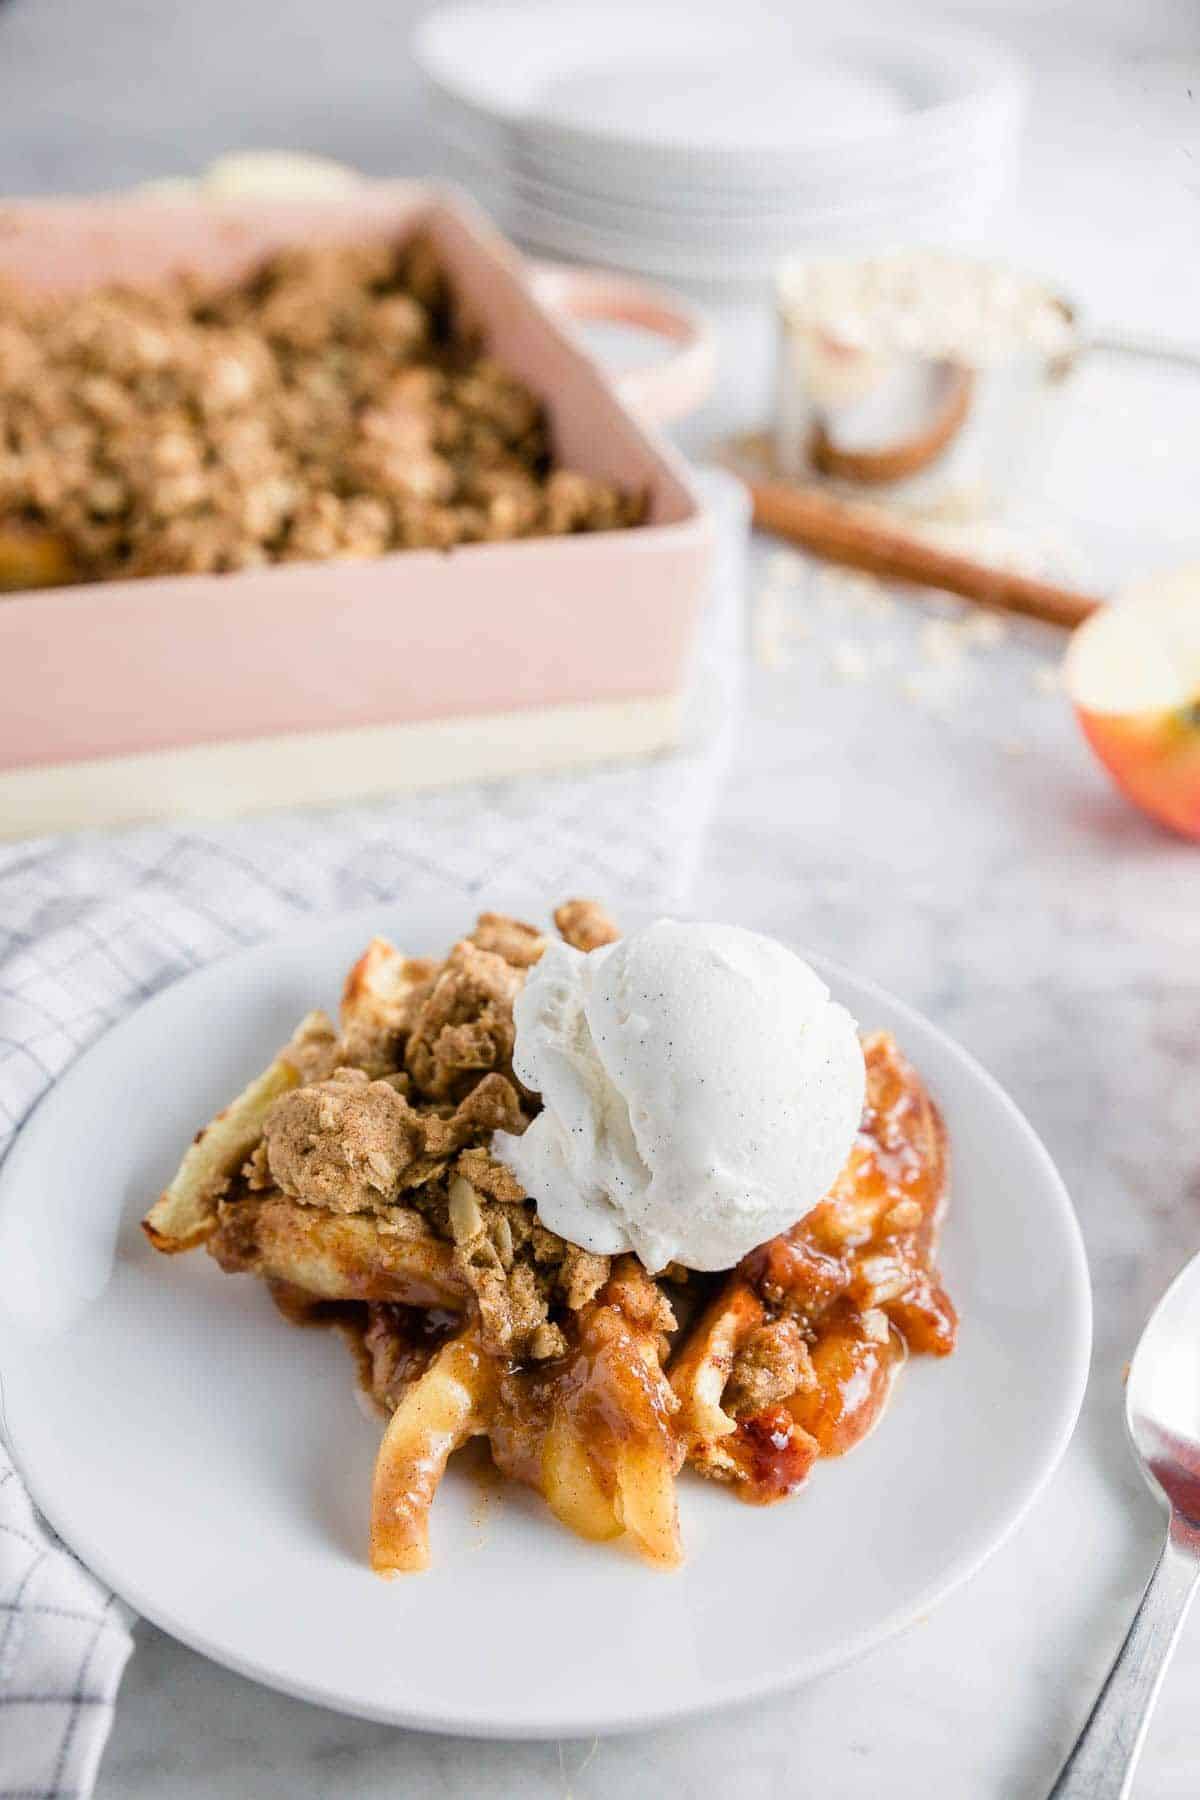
(1102, 1763)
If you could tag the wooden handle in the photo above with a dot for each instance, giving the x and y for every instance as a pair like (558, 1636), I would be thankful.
(907, 456)
(851, 535)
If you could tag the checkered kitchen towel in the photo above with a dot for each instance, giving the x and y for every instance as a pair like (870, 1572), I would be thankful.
(90, 926)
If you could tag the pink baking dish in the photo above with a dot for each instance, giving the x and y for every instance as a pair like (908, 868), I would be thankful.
(319, 682)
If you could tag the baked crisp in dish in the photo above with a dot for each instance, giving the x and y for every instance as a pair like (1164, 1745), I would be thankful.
(359, 1176)
(333, 403)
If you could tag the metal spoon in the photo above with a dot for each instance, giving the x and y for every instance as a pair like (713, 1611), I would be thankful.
(1162, 1411)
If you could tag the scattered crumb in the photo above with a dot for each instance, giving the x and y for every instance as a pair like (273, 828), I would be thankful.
(861, 593)
(836, 590)
(785, 568)
(950, 632)
(962, 504)
(881, 603)
(782, 619)
(1014, 746)
(846, 590)
(933, 688)
(849, 660)
(1024, 547)
(828, 587)
(767, 630)
(770, 655)
(983, 630)
(864, 586)
(941, 641)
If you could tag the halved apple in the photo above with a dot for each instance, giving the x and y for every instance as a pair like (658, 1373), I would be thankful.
(1133, 672)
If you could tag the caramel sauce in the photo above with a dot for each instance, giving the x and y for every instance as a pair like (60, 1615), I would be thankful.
(301, 1308)
(867, 1248)
(399, 1343)
(602, 1387)
(391, 1344)
(774, 1454)
(418, 1443)
(854, 1378)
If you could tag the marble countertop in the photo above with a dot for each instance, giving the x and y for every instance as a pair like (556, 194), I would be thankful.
(947, 834)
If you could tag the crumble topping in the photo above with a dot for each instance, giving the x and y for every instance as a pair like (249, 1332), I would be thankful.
(639, 1298)
(519, 944)
(314, 1051)
(487, 1176)
(772, 1365)
(390, 1126)
(349, 1143)
(465, 1024)
(383, 994)
(330, 404)
(586, 925)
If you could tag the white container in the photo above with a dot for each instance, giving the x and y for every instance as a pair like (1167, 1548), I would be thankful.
(915, 377)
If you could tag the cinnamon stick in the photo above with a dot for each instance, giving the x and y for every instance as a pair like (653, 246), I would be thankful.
(841, 532)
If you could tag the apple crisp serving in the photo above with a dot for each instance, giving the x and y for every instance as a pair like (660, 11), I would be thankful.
(356, 1176)
(333, 403)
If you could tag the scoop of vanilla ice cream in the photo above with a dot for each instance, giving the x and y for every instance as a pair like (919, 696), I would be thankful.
(700, 1092)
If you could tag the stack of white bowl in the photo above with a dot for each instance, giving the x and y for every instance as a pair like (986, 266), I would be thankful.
(703, 145)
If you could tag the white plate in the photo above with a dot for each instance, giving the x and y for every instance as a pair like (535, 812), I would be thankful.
(209, 1461)
(737, 93)
(961, 222)
(750, 233)
(739, 243)
(647, 187)
(715, 209)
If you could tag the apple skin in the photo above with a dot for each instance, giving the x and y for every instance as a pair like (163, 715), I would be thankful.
(1154, 758)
